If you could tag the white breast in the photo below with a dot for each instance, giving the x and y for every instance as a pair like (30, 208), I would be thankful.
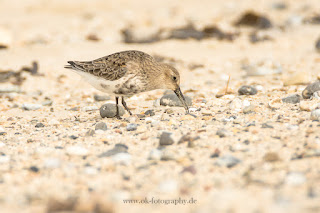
(100, 83)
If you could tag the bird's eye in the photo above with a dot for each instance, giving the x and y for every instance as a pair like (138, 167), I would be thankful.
(174, 78)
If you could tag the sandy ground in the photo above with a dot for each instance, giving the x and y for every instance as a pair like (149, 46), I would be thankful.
(264, 158)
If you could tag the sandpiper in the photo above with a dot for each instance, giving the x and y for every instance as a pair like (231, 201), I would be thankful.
(127, 73)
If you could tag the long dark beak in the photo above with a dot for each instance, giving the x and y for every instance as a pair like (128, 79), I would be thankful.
(182, 99)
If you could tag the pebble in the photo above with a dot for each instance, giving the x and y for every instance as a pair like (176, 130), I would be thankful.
(118, 148)
(34, 169)
(47, 103)
(190, 169)
(247, 90)
(101, 98)
(77, 150)
(5, 38)
(52, 163)
(155, 154)
(309, 105)
(150, 112)
(27, 106)
(271, 157)
(249, 109)
(101, 126)
(165, 139)
(299, 78)
(132, 127)
(222, 133)
(10, 89)
(173, 100)
(90, 132)
(122, 158)
(110, 110)
(227, 161)
(310, 89)
(168, 155)
(39, 125)
(295, 178)
(275, 103)
(315, 115)
(317, 46)
(292, 99)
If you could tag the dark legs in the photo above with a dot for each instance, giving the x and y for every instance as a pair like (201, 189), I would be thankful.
(117, 108)
(124, 104)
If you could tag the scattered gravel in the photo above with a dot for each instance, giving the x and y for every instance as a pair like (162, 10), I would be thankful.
(110, 110)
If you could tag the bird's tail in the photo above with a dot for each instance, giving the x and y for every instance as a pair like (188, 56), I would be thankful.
(75, 65)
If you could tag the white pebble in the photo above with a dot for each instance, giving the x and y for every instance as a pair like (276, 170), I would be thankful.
(315, 115)
(295, 178)
(52, 163)
(77, 150)
(27, 106)
(122, 158)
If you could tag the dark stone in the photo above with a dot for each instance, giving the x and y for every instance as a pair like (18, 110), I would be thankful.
(34, 169)
(310, 89)
(73, 137)
(150, 112)
(252, 19)
(110, 110)
(165, 139)
(265, 125)
(292, 99)
(118, 148)
(101, 126)
(173, 100)
(222, 133)
(39, 125)
(318, 45)
(247, 90)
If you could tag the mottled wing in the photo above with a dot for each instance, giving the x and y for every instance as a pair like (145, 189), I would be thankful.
(109, 67)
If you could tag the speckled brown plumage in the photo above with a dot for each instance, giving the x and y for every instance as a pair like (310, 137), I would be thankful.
(127, 73)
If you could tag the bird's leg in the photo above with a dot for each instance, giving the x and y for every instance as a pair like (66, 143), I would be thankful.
(124, 104)
(118, 114)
